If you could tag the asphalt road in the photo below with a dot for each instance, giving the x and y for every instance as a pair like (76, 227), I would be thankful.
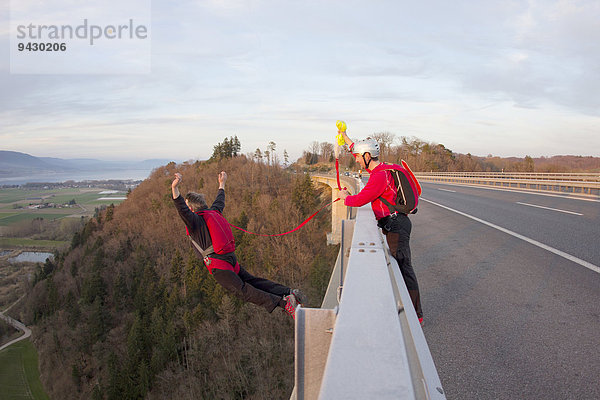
(505, 318)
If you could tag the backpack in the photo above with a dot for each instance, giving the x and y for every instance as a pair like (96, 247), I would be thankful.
(220, 234)
(220, 231)
(407, 189)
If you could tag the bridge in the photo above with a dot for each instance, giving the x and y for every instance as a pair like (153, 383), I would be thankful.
(339, 211)
(365, 341)
(510, 277)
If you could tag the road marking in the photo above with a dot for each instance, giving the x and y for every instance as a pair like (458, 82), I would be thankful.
(447, 190)
(566, 196)
(548, 208)
(567, 256)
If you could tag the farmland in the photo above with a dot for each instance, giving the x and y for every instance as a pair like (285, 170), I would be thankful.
(33, 218)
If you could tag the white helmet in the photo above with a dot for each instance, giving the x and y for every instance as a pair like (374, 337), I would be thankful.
(366, 146)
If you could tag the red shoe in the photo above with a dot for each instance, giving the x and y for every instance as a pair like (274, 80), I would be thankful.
(290, 305)
(421, 322)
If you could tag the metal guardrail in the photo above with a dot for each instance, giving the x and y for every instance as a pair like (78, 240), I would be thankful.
(584, 184)
(365, 342)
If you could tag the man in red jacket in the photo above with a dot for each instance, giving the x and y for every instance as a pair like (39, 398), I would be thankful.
(213, 240)
(397, 226)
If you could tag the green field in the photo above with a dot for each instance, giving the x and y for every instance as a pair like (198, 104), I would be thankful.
(15, 211)
(11, 196)
(19, 373)
(28, 216)
(14, 203)
(31, 243)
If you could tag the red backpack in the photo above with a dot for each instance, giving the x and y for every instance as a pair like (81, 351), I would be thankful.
(220, 231)
(407, 189)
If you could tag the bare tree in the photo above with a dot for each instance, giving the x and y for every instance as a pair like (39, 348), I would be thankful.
(314, 147)
(385, 140)
(258, 155)
(326, 151)
(286, 158)
(271, 149)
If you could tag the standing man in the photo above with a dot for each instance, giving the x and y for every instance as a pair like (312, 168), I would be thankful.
(213, 240)
(395, 226)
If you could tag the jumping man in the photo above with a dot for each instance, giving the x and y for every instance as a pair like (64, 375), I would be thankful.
(213, 240)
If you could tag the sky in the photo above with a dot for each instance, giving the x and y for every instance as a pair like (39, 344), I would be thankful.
(502, 77)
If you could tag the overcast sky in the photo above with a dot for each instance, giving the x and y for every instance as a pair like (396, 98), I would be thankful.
(508, 78)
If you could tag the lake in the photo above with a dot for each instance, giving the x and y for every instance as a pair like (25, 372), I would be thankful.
(31, 256)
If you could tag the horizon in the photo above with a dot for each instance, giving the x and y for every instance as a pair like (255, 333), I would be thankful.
(507, 79)
(246, 154)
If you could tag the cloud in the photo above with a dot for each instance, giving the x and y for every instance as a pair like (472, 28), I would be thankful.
(548, 55)
(283, 70)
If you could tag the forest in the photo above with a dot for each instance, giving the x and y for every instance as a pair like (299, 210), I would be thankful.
(129, 311)
(434, 157)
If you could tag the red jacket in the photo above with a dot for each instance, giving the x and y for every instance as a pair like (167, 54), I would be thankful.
(380, 184)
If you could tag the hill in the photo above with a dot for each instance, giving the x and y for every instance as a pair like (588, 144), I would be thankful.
(435, 157)
(16, 164)
(130, 311)
(12, 162)
(567, 164)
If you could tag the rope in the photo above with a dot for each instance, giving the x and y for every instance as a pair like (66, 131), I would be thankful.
(293, 230)
(337, 172)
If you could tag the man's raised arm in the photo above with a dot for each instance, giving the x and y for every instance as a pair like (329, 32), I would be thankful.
(175, 185)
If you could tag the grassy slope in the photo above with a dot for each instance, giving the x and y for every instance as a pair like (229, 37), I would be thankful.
(19, 374)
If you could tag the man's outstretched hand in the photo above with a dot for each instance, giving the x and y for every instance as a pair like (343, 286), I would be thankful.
(222, 179)
(178, 179)
(175, 185)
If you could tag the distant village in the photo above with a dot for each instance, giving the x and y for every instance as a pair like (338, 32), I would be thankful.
(112, 184)
(38, 206)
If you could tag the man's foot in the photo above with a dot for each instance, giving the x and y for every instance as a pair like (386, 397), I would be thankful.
(300, 297)
(290, 305)
(421, 322)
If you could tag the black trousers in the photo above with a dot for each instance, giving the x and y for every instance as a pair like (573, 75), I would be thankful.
(249, 288)
(397, 233)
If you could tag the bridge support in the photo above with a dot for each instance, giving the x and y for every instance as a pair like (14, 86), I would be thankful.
(338, 210)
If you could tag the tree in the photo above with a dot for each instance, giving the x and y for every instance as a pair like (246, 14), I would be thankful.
(227, 149)
(314, 147)
(286, 158)
(326, 151)
(385, 140)
(304, 195)
(258, 155)
(529, 164)
(271, 150)
(310, 158)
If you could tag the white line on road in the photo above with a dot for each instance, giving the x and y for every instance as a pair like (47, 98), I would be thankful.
(567, 256)
(548, 208)
(447, 190)
(562, 196)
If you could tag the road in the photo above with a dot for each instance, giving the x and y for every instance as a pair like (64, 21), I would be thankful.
(509, 291)
(15, 324)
